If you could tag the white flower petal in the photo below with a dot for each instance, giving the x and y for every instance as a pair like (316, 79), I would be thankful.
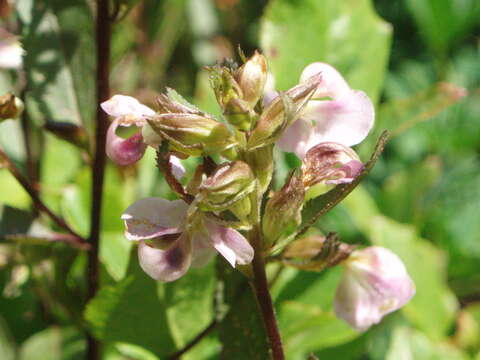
(153, 217)
(127, 109)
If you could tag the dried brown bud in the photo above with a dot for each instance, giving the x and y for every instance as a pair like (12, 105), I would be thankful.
(11, 107)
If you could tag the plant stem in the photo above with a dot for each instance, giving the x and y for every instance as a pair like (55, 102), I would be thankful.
(103, 39)
(260, 283)
(75, 240)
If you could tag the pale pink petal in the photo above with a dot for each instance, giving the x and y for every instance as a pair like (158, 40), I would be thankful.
(124, 151)
(348, 172)
(169, 264)
(230, 244)
(202, 249)
(177, 168)
(375, 283)
(346, 121)
(153, 217)
(297, 138)
(127, 109)
(269, 92)
(11, 51)
(332, 84)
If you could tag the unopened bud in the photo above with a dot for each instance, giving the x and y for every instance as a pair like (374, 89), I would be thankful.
(327, 165)
(281, 113)
(375, 283)
(283, 210)
(11, 107)
(252, 77)
(229, 183)
(261, 162)
(192, 134)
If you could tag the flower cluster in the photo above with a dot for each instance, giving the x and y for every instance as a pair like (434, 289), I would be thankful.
(319, 120)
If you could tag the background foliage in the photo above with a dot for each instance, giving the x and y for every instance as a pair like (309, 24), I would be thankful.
(422, 200)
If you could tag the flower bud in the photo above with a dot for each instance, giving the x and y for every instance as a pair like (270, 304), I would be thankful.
(329, 164)
(11, 107)
(252, 77)
(124, 151)
(261, 162)
(281, 113)
(374, 284)
(229, 183)
(283, 210)
(192, 134)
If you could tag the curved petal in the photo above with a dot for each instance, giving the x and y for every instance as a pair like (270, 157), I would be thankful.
(375, 283)
(297, 138)
(153, 217)
(124, 151)
(332, 84)
(230, 244)
(127, 109)
(202, 249)
(166, 265)
(346, 121)
(177, 168)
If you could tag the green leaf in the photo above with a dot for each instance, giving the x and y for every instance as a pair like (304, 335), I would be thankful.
(60, 60)
(346, 34)
(189, 303)
(425, 263)
(131, 312)
(408, 343)
(53, 343)
(442, 22)
(242, 325)
(307, 328)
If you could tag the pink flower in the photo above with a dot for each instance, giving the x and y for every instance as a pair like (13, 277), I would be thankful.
(129, 111)
(167, 249)
(374, 284)
(335, 113)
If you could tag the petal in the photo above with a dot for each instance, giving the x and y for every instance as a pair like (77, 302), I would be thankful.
(297, 138)
(177, 168)
(332, 84)
(230, 244)
(11, 51)
(124, 151)
(374, 283)
(128, 109)
(346, 121)
(153, 217)
(203, 251)
(166, 265)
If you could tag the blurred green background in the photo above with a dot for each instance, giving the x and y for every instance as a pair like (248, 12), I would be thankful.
(415, 58)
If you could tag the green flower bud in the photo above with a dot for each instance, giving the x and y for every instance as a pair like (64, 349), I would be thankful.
(261, 162)
(192, 134)
(229, 183)
(11, 107)
(283, 211)
(252, 77)
(281, 113)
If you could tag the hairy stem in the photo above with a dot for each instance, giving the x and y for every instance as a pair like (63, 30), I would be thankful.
(75, 239)
(103, 39)
(260, 283)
